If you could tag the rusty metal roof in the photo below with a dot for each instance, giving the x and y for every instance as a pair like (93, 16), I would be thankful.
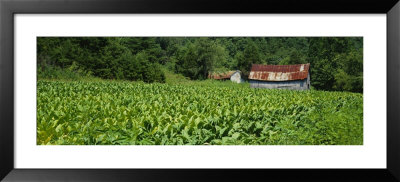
(220, 76)
(279, 72)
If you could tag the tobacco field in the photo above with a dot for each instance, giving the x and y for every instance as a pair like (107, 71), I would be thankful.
(136, 113)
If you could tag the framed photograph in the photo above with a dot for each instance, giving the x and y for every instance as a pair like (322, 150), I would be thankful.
(129, 90)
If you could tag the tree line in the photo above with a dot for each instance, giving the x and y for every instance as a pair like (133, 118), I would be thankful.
(336, 62)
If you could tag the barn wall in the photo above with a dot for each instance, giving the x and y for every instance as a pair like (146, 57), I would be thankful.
(293, 85)
(236, 77)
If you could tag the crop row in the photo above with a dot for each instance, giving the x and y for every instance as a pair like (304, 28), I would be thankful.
(133, 113)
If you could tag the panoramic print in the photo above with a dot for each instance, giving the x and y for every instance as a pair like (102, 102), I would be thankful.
(199, 91)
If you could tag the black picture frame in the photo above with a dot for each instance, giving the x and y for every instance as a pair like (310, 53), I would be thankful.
(8, 8)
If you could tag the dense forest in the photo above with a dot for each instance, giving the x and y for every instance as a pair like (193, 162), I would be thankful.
(336, 62)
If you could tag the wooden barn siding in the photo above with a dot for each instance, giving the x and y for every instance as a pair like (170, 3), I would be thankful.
(294, 84)
(236, 77)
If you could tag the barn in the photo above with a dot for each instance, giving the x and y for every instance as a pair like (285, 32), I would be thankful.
(295, 77)
(234, 76)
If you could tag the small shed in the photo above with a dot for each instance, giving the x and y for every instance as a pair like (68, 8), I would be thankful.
(234, 76)
(295, 77)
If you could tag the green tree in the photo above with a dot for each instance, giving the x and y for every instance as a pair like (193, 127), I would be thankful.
(250, 56)
(322, 52)
(294, 57)
(104, 57)
(200, 58)
(350, 72)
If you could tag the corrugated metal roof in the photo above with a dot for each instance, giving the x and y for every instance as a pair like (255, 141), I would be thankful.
(279, 72)
(220, 76)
